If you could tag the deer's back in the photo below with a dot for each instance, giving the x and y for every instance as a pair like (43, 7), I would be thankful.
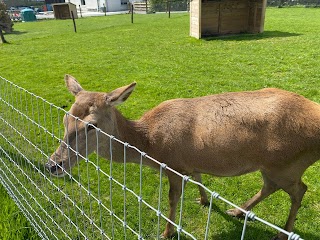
(232, 133)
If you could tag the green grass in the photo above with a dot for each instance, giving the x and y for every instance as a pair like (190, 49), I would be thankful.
(108, 52)
(13, 225)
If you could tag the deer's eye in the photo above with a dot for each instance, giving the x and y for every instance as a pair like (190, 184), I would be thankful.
(91, 126)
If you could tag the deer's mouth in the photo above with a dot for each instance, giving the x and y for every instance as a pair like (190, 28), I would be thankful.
(55, 169)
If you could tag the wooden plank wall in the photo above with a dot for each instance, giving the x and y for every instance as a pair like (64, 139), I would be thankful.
(219, 17)
(256, 16)
(233, 17)
(210, 18)
(195, 18)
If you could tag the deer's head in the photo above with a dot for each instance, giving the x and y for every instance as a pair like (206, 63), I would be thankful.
(90, 111)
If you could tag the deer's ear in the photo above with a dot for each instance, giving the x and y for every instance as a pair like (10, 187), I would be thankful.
(72, 84)
(119, 95)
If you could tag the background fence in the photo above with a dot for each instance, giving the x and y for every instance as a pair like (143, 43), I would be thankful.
(184, 5)
(288, 3)
(98, 199)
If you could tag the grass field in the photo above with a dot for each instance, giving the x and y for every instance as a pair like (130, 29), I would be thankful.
(108, 52)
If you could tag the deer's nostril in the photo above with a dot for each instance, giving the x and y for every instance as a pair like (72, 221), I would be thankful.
(51, 168)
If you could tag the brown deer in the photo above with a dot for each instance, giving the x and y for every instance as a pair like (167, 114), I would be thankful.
(230, 134)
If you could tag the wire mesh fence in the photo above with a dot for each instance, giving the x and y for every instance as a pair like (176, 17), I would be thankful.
(97, 199)
(184, 5)
(290, 3)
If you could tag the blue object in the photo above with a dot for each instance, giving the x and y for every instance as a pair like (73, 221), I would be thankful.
(28, 15)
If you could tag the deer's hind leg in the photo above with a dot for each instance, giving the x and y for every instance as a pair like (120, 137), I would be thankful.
(273, 181)
(203, 195)
(268, 188)
(296, 191)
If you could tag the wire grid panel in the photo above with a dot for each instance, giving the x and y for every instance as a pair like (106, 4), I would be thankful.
(98, 199)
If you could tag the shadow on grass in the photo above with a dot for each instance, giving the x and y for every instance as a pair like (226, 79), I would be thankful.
(248, 37)
(14, 32)
(254, 230)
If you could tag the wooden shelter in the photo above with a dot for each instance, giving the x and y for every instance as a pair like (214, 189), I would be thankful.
(220, 17)
(64, 10)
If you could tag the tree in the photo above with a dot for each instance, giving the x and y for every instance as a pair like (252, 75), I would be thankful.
(5, 22)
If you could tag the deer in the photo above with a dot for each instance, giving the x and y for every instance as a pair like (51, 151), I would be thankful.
(273, 131)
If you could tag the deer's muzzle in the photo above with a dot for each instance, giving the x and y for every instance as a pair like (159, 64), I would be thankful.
(51, 168)
(56, 169)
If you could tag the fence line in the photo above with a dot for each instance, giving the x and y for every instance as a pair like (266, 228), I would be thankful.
(97, 199)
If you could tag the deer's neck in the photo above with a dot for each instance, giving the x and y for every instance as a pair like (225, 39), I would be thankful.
(132, 132)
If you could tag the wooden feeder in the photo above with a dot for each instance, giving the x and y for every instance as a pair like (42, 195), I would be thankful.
(221, 17)
(64, 10)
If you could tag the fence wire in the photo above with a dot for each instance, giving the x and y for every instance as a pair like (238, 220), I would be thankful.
(98, 199)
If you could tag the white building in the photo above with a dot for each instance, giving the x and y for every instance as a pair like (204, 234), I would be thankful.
(98, 5)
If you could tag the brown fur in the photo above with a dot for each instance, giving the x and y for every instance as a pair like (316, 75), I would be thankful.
(270, 130)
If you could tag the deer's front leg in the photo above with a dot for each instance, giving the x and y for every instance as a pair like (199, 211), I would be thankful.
(174, 196)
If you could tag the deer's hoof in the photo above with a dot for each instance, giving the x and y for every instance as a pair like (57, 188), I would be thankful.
(203, 202)
(167, 234)
(275, 238)
(280, 236)
(235, 213)
(162, 236)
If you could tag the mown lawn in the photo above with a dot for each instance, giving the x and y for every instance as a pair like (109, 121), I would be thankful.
(108, 52)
